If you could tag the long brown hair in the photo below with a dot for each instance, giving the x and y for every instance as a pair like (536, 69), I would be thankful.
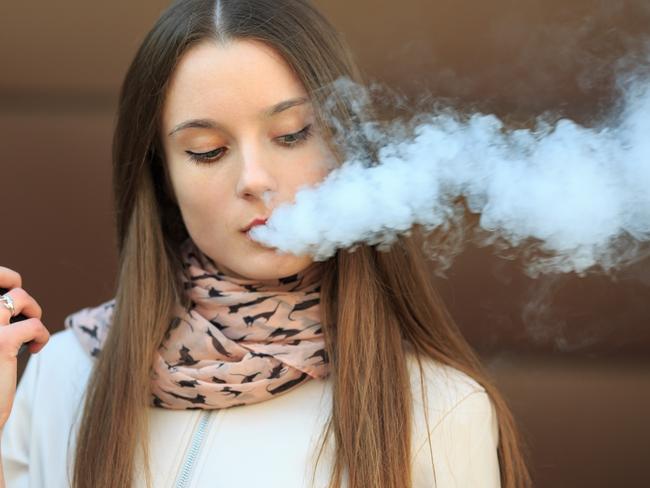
(388, 296)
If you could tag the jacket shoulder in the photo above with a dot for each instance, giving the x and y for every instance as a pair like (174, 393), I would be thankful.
(439, 385)
(456, 431)
(60, 370)
(63, 343)
(63, 354)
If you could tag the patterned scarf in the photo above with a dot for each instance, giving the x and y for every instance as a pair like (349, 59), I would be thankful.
(240, 342)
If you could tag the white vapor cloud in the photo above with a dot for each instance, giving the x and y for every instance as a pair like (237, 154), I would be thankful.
(578, 191)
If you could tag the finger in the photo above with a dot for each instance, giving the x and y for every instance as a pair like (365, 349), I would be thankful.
(10, 278)
(23, 303)
(13, 336)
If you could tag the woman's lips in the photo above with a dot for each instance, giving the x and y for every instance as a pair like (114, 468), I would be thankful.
(254, 222)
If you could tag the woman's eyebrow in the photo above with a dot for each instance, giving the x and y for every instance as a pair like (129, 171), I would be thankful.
(279, 107)
(195, 124)
(269, 112)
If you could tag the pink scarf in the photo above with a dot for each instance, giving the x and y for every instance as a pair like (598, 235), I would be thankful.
(240, 342)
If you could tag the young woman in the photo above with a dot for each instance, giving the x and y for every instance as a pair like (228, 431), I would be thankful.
(222, 362)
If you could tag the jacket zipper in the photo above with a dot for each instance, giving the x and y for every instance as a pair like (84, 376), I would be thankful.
(192, 453)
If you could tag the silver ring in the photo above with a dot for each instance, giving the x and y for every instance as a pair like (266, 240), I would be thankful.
(8, 302)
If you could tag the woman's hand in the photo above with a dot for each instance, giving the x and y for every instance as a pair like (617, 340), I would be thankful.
(13, 335)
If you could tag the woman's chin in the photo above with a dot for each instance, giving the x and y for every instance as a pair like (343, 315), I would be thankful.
(270, 265)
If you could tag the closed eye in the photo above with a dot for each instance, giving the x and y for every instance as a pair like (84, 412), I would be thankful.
(206, 157)
(288, 140)
(292, 140)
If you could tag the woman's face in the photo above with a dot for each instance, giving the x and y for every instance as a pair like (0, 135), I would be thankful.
(239, 138)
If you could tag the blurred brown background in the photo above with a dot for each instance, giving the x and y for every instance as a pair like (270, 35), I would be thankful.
(571, 354)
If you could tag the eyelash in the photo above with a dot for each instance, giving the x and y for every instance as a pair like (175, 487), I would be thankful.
(216, 154)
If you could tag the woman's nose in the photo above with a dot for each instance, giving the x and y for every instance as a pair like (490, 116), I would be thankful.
(255, 178)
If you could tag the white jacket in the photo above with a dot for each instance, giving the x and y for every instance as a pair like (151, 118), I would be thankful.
(270, 444)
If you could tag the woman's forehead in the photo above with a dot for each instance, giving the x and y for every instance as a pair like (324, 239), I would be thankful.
(238, 77)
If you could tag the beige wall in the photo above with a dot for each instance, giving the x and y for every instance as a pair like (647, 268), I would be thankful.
(577, 372)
